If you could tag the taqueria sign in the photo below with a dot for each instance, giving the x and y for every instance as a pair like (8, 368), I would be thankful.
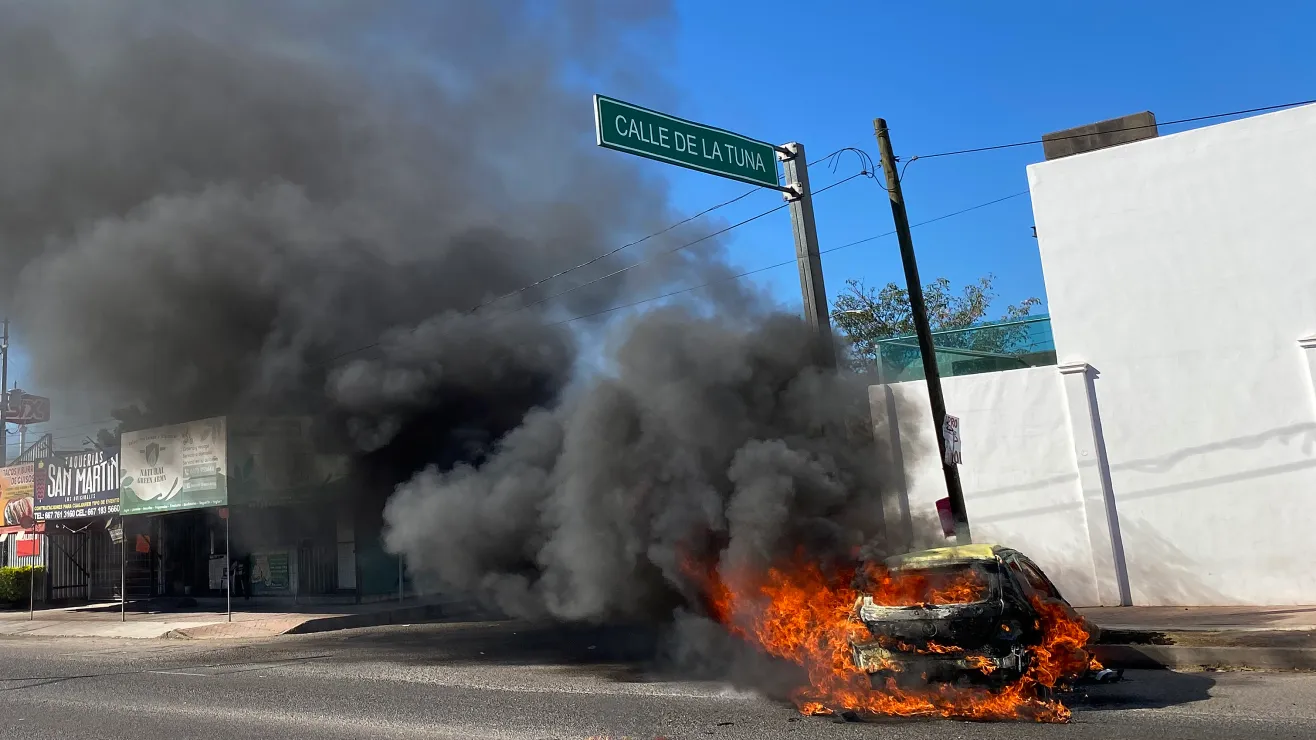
(80, 485)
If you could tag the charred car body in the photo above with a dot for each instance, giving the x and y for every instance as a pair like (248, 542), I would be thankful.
(953, 614)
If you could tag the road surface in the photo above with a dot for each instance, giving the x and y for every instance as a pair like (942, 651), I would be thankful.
(514, 681)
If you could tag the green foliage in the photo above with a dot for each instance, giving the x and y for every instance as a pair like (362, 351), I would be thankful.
(868, 315)
(14, 583)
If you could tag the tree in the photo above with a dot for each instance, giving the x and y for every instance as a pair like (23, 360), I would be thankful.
(868, 315)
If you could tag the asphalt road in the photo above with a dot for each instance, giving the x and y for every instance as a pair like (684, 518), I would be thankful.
(508, 680)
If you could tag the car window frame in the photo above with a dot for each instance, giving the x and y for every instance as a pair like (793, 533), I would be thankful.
(1031, 570)
(1017, 574)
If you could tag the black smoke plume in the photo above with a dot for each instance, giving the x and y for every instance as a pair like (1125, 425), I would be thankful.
(709, 442)
(254, 206)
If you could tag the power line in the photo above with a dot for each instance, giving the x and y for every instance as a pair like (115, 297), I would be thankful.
(39, 433)
(867, 171)
(787, 262)
(862, 173)
(608, 254)
(704, 238)
(863, 156)
(1194, 119)
(924, 223)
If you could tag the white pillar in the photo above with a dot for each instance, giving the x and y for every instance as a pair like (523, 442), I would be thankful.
(1094, 481)
(1308, 346)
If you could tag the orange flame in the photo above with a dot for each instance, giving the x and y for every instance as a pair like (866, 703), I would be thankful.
(804, 616)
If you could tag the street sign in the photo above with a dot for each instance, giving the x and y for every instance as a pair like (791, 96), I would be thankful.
(23, 408)
(646, 133)
(950, 432)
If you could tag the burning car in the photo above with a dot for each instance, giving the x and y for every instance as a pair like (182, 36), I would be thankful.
(977, 614)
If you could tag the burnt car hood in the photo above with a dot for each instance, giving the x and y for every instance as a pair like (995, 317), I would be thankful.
(938, 642)
(966, 626)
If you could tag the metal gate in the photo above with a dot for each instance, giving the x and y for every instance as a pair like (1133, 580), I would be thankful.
(68, 563)
(83, 563)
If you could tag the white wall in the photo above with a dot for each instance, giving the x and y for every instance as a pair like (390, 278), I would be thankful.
(1183, 270)
(1019, 475)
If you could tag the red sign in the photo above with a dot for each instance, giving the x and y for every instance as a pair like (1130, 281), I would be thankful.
(947, 518)
(22, 408)
(27, 546)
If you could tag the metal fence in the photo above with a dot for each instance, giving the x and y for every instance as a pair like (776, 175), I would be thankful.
(983, 348)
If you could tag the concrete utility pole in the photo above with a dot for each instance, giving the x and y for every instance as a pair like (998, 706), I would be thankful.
(922, 329)
(807, 257)
(4, 396)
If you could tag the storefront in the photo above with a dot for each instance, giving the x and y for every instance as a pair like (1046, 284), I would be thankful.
(288, 498)
(76, 497)
(207, 492)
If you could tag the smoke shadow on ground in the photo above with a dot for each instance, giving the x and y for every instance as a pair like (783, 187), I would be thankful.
(1149, 689)
(625, 653)
(503, 642)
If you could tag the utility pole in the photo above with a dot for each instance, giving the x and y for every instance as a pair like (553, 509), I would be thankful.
(920, 314)
(807, 257)
(4, 395)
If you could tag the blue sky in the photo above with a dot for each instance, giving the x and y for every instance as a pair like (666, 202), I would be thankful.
(949, 76)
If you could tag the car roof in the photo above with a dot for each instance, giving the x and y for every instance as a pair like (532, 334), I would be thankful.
(947, 556)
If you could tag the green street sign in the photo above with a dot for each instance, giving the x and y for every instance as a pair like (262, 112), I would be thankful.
(647, 133)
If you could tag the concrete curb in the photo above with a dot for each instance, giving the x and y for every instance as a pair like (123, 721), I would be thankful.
(405, 615)
(1206, 656)
(295, 626)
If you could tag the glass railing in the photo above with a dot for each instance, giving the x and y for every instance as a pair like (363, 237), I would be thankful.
(983, 348)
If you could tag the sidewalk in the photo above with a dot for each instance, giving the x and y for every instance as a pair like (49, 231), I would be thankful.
(1256, 637)
(1203, 618)
(205, 622)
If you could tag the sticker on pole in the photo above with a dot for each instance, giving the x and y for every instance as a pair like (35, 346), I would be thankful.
(950, 435)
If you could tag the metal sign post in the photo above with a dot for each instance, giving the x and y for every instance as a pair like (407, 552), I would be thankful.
(31, 583)
(228, 561)
(123, 570)
(807, 257)
(647, 133)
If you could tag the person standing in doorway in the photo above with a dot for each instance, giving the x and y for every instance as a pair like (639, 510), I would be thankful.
(241, 567)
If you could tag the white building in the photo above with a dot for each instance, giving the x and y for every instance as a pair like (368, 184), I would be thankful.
(1170, 458)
